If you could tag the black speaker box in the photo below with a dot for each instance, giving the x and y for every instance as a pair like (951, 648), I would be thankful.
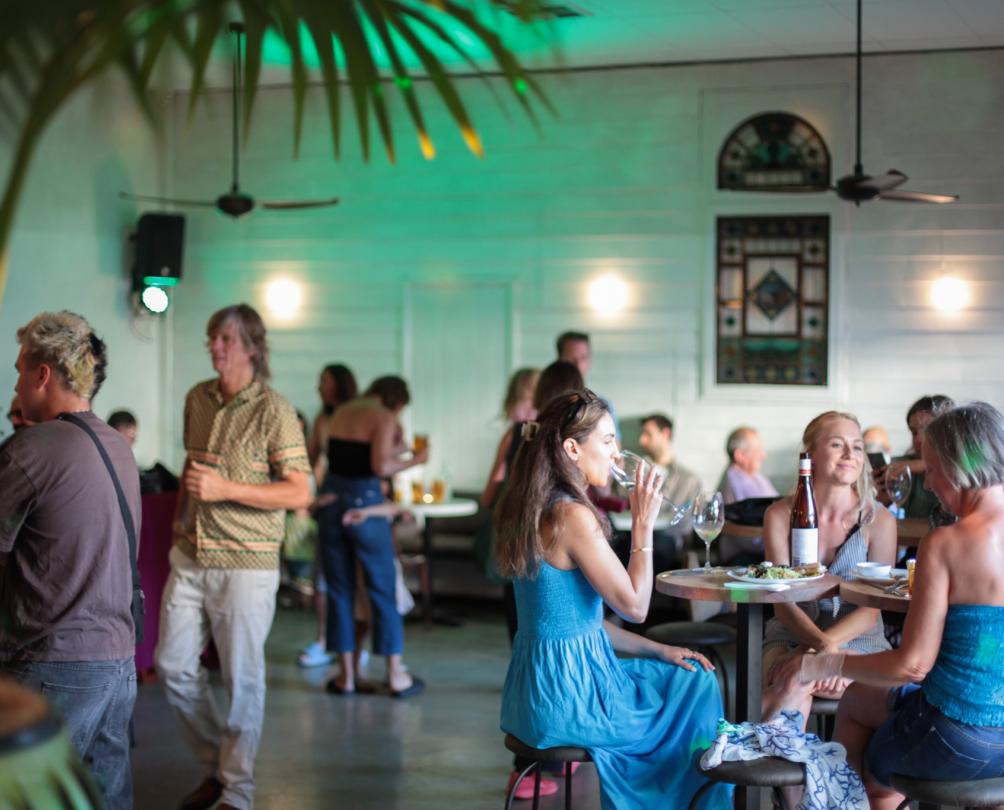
(160, 241)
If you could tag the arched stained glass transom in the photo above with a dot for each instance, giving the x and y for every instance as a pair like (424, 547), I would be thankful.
(774, 151)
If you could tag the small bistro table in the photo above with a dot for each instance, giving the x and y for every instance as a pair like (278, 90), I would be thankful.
(864, 594)
(452, 508)
(696, 585)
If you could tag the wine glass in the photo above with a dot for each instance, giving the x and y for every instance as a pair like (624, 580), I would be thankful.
(675, 512)
(624, 467)
(709, 518)
(898, 481)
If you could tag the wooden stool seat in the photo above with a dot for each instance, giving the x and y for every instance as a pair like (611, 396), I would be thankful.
(703, 637)
(973, 793)
(770, 772)
(559, 753)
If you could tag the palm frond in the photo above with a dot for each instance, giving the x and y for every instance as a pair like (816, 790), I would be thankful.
(48, 50)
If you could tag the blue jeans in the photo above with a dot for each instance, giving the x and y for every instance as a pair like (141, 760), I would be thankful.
(371, 543)
(917, 740)
(96, 700)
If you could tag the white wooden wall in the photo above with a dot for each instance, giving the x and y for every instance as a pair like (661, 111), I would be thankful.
(494, 255)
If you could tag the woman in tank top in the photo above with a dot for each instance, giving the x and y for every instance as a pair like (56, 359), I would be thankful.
(852, 529)
(943, 718)
(364, 445)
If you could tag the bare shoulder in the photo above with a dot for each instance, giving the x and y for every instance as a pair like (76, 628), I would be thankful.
(780, 510)
(884, 520)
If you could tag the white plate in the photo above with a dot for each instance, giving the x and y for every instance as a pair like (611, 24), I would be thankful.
(895, 575)
(761, 580)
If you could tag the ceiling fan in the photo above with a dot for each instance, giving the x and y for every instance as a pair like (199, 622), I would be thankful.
(860, 187)
(235, 203)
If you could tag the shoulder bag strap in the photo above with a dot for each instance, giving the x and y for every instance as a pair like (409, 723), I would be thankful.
(123, 506)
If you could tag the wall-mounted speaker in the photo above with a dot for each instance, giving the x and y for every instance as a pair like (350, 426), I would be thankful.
(160, 240)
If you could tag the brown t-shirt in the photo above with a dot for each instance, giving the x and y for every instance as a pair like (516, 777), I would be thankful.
(65, 577)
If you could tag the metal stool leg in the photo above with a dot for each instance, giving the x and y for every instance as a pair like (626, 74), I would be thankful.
(511, 797)
(712, 655)
(568, 786)
(694, 802)
(536, 787)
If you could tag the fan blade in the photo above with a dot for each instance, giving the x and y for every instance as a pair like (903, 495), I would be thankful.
(884, 182)
(281, 205)
(125, 195)
(917, 196)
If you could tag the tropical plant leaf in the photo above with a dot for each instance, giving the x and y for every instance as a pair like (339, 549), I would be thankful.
(49, 49)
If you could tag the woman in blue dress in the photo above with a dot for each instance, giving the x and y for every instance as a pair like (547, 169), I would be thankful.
(934, 708)
(644, 719)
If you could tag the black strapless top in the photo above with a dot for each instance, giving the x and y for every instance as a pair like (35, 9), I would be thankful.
(349, 458)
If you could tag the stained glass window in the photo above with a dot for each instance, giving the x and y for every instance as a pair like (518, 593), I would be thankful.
(774, 151)
(772, 299)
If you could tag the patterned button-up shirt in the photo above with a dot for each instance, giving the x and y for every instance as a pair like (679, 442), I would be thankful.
(253, 439)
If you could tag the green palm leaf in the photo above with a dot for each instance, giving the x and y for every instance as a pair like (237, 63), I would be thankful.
(48, 50)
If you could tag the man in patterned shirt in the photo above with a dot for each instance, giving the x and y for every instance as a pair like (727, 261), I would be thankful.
(246, 464)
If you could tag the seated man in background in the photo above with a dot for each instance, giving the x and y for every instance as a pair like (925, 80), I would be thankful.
(680, 486)
(921, 502)
(125, 423)
(743, 479)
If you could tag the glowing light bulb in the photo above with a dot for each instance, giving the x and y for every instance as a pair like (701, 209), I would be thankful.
(155, 299)
(283, 298)
(608, 294)
(950, 294)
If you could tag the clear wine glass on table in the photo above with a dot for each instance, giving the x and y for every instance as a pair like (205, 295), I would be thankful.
(709, 518)
(898, 482)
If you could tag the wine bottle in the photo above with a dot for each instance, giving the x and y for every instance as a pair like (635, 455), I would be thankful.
(804, 528)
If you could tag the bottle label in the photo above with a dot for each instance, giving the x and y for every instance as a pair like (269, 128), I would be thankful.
(804, 546)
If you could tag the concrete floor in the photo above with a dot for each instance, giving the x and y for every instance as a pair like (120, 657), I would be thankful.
(440, 750)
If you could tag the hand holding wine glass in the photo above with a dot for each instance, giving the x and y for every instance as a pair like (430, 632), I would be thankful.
(709, 518)
(898, 482)
(625, 467)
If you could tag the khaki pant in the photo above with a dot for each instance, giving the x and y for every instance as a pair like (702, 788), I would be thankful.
(235, 607)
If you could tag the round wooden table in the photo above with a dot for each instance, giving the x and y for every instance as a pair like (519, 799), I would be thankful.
(698, 586)
(621, 521)
(865, 594)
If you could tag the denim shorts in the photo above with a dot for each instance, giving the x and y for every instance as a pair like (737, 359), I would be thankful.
(917, 740)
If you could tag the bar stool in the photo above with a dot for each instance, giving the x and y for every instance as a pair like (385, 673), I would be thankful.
(825, 712)
(564, 753)
(769, 772)
(703, 637)
(932, 794)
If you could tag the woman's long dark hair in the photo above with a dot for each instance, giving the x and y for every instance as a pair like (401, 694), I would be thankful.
(345, 385)
(541, 471)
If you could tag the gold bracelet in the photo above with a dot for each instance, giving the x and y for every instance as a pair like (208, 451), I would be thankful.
(642, 548)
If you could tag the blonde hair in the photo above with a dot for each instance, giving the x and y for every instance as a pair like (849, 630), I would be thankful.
(521, 385)
(863, 486)
(66, 343)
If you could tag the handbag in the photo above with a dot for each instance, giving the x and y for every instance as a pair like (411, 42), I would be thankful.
(138, 607)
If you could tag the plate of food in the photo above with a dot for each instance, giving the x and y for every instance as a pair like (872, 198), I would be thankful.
(768, 572)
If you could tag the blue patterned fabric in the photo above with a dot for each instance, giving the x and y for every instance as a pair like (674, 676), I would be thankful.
(829, 781)
(967, 681)
(643, 721)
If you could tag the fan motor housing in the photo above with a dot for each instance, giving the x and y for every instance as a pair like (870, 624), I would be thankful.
(235, 204)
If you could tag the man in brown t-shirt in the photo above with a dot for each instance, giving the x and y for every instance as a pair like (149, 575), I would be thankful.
(65, 572)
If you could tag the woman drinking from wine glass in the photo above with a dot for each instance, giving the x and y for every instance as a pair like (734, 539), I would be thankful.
(947, 722)
(851, 530)
(642, 719)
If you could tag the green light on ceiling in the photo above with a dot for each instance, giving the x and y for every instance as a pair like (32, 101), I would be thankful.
(404, 82)
(520, 86)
